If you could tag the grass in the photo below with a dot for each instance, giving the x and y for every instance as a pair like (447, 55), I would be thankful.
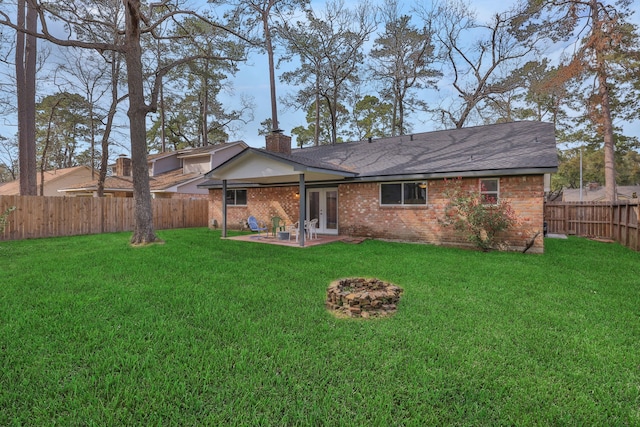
(204, 331)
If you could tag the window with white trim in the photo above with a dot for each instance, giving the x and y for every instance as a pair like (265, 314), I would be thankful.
(403, 193)
(489, 190)
(236, 197)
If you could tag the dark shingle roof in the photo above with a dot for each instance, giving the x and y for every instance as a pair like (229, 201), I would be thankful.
(498, 147)
(159, 182)
(501, 149)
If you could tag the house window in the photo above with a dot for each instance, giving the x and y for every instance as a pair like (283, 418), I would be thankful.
(403, 193)
(237, 197)
(489, 190)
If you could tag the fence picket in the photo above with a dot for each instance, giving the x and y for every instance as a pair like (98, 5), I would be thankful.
(609, 220)
(41, 216)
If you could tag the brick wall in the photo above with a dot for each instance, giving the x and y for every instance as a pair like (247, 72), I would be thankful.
(263, 203)
(360, 213)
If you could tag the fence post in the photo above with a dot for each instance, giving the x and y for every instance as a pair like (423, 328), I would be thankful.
(626, 224)
(637, 210)
(614, 214)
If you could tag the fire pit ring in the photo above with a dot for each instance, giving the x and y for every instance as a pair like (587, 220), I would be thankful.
(361, 297)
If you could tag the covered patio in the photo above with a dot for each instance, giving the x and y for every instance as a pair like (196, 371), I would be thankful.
(254, 168)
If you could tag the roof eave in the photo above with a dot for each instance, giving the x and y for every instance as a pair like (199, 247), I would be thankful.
(295, 165)
(462, 174)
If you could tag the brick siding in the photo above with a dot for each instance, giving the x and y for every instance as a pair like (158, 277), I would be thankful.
(360, 213)
(263, 203)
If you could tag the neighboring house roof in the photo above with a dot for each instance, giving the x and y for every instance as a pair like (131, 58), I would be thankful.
(158, 183)
(62, 176)
(590, 194)
(191, 152)
(171, 181)
(501, 149)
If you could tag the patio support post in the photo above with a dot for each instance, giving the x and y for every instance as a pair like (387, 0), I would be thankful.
(224, 208)
(303, 204)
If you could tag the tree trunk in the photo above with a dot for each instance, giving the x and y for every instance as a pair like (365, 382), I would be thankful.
(333, 111)
(400, 122)
(316, 131)
(104, 158)
(205, 107)
(143, 231)
(394, 116)
(26, 50)
(609, 142)
(47, 141)
(600, 38)
(272, 68)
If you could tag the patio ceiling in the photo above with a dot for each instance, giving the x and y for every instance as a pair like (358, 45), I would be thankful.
(260, 167)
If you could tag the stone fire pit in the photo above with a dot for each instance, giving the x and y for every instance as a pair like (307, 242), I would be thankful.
(359, 297)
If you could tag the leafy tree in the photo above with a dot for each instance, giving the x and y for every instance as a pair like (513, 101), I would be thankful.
(63, 124)
(306, 136)
(329, 47)
(137, 25)
(372, 118)
(262, 13)
(97, 77)
(604, 55)
(195, 117)
(266, 127)
(568, 175)
(627, 163)
(403, 61)
(302, 41)
(541, 99)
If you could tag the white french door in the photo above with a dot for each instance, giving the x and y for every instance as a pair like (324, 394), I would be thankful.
(322, 203)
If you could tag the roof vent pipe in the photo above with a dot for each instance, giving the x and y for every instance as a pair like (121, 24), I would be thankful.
(370, 139)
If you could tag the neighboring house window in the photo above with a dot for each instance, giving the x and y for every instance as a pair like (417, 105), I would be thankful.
(403, 193)
(236, 197)
(489, 190)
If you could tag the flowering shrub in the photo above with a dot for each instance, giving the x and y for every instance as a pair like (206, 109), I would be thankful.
(4, 218)
(479, 222)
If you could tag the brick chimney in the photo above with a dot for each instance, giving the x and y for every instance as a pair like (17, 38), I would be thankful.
(123, 166)
(278, 142)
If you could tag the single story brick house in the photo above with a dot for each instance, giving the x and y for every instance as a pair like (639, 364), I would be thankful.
(389, 188)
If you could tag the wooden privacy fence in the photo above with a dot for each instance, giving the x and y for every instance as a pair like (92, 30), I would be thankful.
(40, 216)
(608, 220)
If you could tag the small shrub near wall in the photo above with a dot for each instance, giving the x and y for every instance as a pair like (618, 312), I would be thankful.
(480, 221)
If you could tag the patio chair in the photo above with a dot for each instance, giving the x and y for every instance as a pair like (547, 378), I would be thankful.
(255, 226)
(311, 227)
(276, 226)
(294, 229)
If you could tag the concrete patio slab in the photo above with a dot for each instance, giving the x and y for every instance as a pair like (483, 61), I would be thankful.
(320, 240)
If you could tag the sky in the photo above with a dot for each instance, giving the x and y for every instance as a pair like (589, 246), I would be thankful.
(253, 81)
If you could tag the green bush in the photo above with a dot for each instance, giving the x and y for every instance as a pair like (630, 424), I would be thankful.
(478, 220)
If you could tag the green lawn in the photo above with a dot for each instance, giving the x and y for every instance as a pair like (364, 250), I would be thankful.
(204, 331)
